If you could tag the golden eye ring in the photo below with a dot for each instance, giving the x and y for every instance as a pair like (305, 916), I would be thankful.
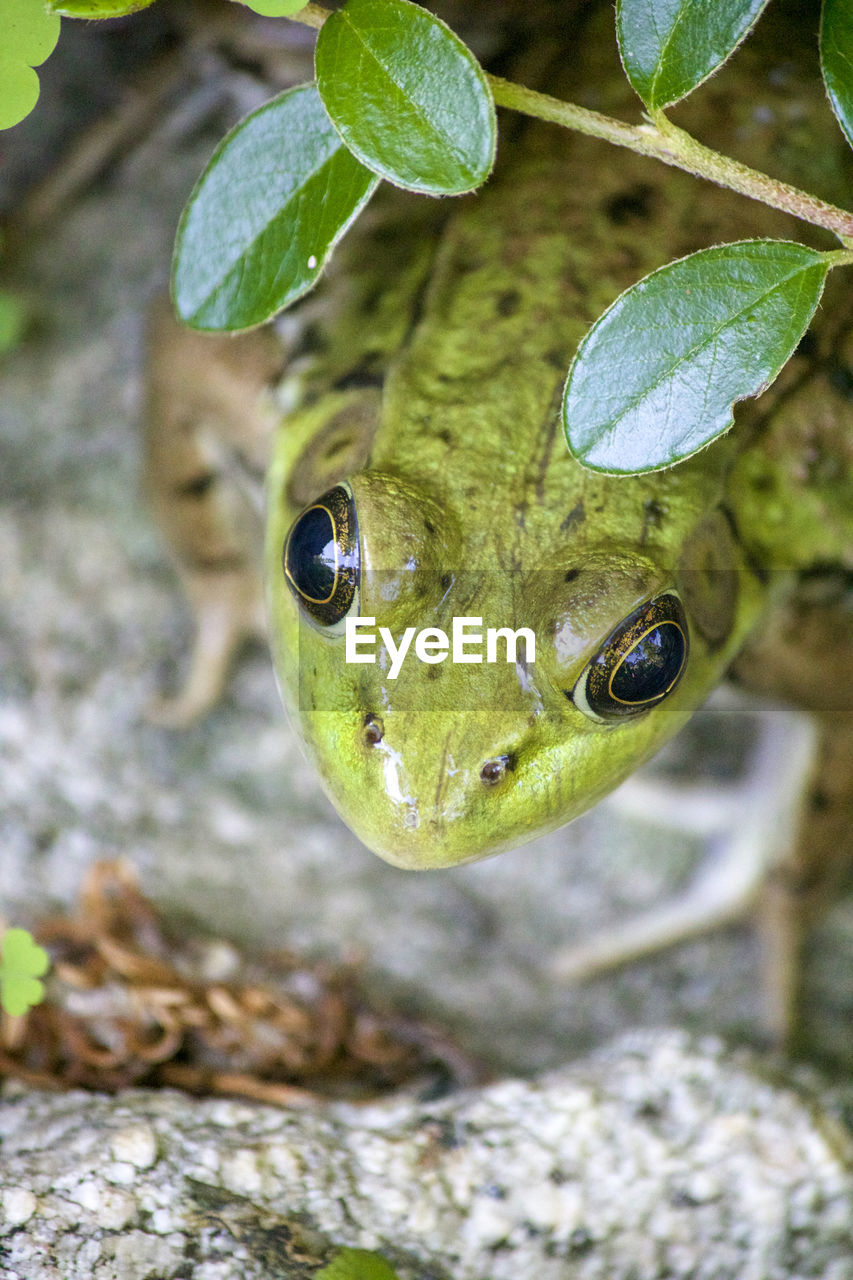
(639, 663)
(320, 558)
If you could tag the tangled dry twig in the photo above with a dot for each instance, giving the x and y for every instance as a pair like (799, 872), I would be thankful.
(129, 1005)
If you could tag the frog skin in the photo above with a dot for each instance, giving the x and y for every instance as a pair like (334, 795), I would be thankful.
(427, 404)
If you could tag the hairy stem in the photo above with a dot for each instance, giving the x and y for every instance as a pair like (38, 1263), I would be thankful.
(663, 140)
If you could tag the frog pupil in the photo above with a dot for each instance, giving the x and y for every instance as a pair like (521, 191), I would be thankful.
(320, 557)
(311, 554)
(639, 663)
(648, 670)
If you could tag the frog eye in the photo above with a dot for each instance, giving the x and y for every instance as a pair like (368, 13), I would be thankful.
(640, 662)
(320, 557)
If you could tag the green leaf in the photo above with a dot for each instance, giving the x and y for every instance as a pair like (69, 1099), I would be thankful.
(668, 47)
(29, 35)
(275, 8)
(836, 55)
(407, 97)
(357, 1264)
(96, 8)
(23, 962)
(656, 376)
(276, 197)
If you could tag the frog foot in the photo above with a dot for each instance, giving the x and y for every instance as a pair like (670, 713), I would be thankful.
(751, 827)
(228, 611)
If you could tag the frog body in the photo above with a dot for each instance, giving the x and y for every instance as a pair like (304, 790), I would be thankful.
(469, 505)
(429, 410)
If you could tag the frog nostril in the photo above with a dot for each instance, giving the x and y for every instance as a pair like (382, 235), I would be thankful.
(374, 730)
(493, 771)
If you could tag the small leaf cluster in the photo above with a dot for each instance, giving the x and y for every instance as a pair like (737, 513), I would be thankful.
(398, 97)
(22, 964)
(29, 35)
(725, 320)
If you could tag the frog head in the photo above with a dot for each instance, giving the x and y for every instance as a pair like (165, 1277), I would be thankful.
(454, 710)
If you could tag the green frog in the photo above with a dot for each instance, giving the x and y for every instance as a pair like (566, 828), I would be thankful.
(419, 482)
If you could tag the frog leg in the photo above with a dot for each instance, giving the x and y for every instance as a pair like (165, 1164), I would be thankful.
(749, 825)
(208, 427)
(807, 652)
(805, 878)
(782, 836)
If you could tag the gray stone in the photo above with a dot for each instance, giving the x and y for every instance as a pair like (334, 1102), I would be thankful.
(659, 1156)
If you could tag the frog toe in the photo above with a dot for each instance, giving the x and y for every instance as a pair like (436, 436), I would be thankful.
(228, 615)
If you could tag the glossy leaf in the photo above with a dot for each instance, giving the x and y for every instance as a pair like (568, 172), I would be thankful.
(275, 8)
(668, 47)
(29, 35)
(657, 375)
(279, 192)
(357, 1264)
(23, 963)
(836, 55)
(407, 96)
(96, 8)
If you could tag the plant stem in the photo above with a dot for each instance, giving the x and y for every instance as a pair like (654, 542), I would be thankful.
(663, 140)
(313, 15)
(840, 257)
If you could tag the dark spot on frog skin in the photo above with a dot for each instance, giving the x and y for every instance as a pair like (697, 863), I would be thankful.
(310, 342)
(361, 376)
(557, 360)
(807, 346)
(337, 446)
(758, 571)
(197, 487)
(654, 513)
(576, 516)
(446, 581)
(653, 517)
(825, 585)
(465, 263)
(841, 380)
(571, 574)
(429, 526)
(444, 436)
(508, 302)
(630, 204)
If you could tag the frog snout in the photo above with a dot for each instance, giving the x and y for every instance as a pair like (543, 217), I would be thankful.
(435, 798)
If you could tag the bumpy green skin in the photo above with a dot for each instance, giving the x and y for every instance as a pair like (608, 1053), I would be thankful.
(469, 504)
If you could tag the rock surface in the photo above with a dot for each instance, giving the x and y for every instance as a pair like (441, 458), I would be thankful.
(659, 1157)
